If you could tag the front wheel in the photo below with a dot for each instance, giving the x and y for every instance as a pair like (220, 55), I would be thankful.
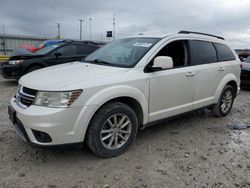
(225, 103)
(113, 128)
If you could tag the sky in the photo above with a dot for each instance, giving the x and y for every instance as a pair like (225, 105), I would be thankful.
(228, 18)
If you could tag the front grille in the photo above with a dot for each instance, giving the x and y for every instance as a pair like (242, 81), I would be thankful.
(25, 96)
(29, 91)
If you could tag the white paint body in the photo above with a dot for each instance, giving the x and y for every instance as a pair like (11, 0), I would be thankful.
(160, 94)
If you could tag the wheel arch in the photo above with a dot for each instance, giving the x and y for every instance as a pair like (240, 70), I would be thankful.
(40, 64)
(229, 79)
(124, 94)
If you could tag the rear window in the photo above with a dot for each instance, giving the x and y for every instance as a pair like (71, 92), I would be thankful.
(224, 53)
(202, 52)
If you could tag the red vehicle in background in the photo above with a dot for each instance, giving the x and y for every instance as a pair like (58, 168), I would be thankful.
(39, 45)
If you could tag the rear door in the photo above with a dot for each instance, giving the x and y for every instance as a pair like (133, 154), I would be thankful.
(209, 71)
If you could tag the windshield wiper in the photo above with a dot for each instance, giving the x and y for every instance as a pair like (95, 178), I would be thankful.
(100, 61)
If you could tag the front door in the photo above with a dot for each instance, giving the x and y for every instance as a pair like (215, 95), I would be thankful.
(172, 91)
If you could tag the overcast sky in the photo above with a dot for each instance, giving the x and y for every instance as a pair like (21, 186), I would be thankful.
(229, 18)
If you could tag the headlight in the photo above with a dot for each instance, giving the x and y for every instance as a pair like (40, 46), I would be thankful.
(56, 99)
(14, 62)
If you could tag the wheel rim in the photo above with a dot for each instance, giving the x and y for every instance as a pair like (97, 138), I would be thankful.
(116, 131)
(226, 101)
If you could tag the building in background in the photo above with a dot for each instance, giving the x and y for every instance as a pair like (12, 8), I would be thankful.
(9, 42)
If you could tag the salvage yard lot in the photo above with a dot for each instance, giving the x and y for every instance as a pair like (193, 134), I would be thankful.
(195, 150)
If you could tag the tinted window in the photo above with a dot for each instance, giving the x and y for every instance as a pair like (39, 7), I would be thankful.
(202, 52)
(224, 53)
(69, 50)
(85, 49)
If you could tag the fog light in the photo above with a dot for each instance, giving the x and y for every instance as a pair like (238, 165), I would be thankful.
(42, 136)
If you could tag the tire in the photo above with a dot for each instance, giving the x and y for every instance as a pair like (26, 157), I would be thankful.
(31, 69)
(221, 109)
(109, 139)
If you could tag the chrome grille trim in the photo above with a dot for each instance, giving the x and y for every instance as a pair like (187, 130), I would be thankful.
(21, 97)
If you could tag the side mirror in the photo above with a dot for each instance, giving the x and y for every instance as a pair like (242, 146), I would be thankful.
(58, 54)
(163, 62)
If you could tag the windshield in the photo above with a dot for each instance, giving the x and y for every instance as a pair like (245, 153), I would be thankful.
(39, 44)
(46, 49)
(122, 52)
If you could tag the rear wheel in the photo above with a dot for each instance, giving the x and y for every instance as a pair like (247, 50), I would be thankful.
(225, 103)
(113, 128)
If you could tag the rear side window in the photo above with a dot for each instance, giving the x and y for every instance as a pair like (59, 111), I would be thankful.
(85, 49)
(202, 52)
(224, 53)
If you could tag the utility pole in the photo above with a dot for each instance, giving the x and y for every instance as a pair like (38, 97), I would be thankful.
(90, 31)
(58, 30)
(81, 20)
(113, 26)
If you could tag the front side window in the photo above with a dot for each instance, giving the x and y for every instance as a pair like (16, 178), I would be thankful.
(122, 52)
(69, 50)
(224, 53)
(83, 49)
(203, 52)
(178, 51)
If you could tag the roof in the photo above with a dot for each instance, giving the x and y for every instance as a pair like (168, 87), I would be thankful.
(183, 34)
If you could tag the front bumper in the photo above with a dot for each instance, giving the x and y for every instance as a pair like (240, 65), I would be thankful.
(63, 125)
(11, 71)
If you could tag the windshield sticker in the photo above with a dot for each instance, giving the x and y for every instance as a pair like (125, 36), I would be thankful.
(141, 44)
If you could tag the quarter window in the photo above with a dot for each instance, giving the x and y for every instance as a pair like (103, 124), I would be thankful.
(202, 52)
(224, 53)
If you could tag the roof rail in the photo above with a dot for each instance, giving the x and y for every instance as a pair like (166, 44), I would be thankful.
(192, 32)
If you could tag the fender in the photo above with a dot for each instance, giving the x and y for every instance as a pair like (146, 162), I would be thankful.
(228, 78)
(105, 95)
(113, 92)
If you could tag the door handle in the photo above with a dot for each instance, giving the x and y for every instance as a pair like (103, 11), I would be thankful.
(221, 69)
(190, 74)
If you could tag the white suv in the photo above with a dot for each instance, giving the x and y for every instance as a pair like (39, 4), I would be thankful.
(125, 86)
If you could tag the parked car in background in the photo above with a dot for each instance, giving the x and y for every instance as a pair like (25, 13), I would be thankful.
(125, 86)
(245, 73)
(59, 53)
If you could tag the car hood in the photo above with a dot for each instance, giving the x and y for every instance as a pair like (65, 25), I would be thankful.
(21, 55)
(55, 78)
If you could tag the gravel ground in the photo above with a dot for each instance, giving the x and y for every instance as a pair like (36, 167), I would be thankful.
(197, 150)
